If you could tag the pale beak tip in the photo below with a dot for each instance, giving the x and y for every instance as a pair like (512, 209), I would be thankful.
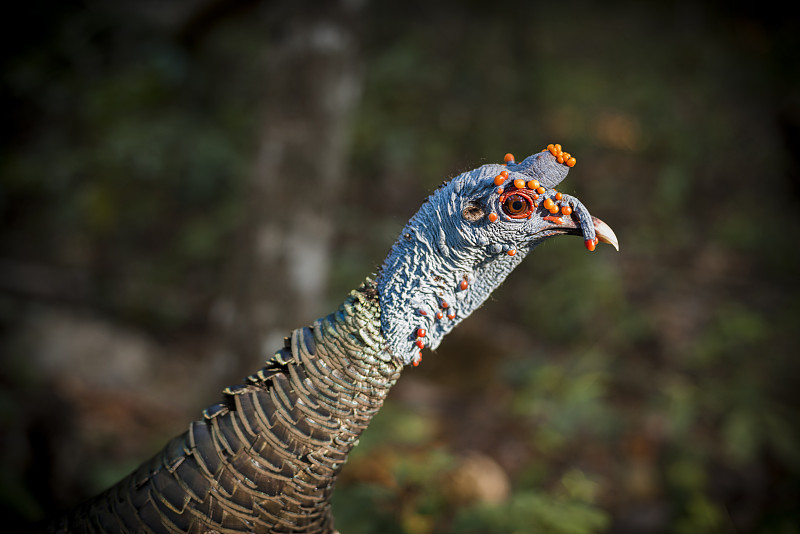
(605, 234)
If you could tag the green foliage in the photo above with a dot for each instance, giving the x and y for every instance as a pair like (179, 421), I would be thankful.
(365, 509)
(395, 425)
(132, 159)
(532, 513)
(563, 401)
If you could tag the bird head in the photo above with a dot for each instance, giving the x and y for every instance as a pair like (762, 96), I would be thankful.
(467, 237)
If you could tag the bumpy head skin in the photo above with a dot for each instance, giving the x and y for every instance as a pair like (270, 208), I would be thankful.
(467, 237)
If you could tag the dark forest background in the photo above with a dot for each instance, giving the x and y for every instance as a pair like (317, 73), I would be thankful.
(183, 182)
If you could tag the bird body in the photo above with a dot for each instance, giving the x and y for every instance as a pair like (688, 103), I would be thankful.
(265, 459)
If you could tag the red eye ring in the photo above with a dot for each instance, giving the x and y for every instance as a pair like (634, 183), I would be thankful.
(516, 203)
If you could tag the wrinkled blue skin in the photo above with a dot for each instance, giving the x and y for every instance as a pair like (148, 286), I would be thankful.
(439, 248)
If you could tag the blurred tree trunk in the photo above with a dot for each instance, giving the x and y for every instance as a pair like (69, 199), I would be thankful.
(281, 262)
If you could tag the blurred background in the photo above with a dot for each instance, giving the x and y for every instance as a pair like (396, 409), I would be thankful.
(181, 183)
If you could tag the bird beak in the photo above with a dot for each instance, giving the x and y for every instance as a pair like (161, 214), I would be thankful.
(572, 225)
(604, 233)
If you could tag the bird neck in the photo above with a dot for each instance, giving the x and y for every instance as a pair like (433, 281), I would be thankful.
(433, 278)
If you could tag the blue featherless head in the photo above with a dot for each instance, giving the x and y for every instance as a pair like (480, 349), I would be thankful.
(467, 237)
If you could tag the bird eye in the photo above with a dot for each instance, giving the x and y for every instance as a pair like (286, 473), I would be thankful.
(517, 205)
